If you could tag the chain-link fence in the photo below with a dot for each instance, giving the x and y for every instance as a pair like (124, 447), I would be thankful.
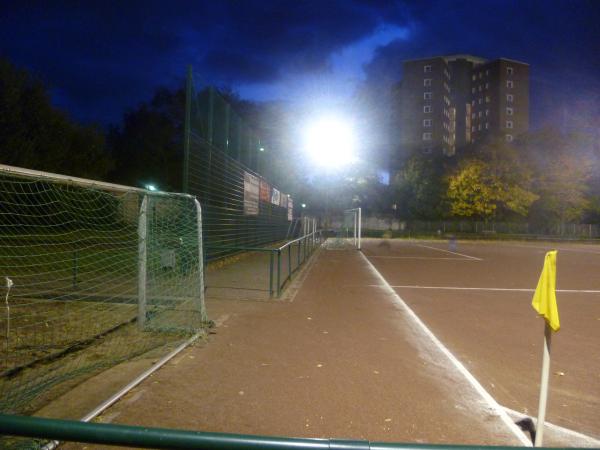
(376, 225)
(223, 158)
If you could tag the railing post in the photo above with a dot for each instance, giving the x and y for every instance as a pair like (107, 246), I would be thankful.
(203, 315)
(359, 226)
(289, 261)
(278, 272)
(270, 274)
(142, 261)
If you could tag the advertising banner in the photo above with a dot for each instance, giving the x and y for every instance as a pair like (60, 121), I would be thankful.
(265, 191)
(275, 194)
(290, 207)
(251, 189)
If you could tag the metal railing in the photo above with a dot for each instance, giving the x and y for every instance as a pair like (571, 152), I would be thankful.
(284, 261)
(145, 437)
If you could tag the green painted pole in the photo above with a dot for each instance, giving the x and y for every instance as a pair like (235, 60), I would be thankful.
(164, 438)
(270, 274)
(278, 272)
(289, 261)
(187, 129)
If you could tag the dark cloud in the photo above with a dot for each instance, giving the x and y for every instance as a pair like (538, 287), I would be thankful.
(102, 57)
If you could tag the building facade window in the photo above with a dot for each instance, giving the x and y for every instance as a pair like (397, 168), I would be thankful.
(427, 136)
(487, 72)
(427, 123)
(487, 99)
(509, 124)
(509, 71)
(509, 138)
(427, 68)
(509, 98)
(480, 100)
(427, 150)
(487, 112)
(472, 90)
(509, 111)
(427, 95)
(487, 125)
(427, 82)
(480, 113)
(509, 84)
(487, 85)
(427, 109)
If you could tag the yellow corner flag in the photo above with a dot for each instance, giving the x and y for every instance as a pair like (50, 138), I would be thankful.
(544, 299)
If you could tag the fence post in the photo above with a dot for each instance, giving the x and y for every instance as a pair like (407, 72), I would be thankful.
(187, 129)
(203, 315)
(142, 261)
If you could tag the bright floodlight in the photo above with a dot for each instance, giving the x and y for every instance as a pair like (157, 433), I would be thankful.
(330, 142)
(151, 187)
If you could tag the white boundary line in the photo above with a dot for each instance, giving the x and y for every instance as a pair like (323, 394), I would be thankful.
(499, 410)
(557, 428)
(448, 251)
(457, 288)
(420, 257)
(550, 246)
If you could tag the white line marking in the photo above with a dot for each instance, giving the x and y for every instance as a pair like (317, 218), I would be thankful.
(420, 257)
(448, 251)
(558, 429)
(457, 364)
(550, 246)
(458, 288)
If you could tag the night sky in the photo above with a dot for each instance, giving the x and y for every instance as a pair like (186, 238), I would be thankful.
(102, 57)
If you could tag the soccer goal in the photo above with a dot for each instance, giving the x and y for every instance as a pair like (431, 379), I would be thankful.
(352, 227)
(93, 274)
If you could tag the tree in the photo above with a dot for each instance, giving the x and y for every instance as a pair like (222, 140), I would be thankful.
(419, 187)
(478, 190)
(562, 167)
(148, 146)
(35, 135)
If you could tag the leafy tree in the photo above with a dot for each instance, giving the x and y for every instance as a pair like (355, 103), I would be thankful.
(561, 170)
(479, 190)
(148, 146)
(419, 187)
(35, 135)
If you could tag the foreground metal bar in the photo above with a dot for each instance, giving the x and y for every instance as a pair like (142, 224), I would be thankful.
(143, 437)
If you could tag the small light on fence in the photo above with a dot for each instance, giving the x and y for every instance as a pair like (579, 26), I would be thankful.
(303, 205)
(151, 187)
(262, 149)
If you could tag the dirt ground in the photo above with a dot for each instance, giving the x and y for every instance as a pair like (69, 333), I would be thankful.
(337, 358)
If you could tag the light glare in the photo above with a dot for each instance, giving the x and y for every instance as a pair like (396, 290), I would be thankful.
(330, 142)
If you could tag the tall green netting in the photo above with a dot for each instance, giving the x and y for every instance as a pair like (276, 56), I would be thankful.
(90, 277)
(223, 148)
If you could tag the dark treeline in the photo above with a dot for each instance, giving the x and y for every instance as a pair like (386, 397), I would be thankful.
(544, 176)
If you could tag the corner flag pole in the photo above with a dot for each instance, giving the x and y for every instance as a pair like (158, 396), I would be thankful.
(544, 302)
(539, 434)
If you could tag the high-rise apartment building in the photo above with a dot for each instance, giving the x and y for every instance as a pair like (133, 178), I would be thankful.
(444, 103)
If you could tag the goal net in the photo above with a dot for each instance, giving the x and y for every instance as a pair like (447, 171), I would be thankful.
(347, 230)
(92, 275)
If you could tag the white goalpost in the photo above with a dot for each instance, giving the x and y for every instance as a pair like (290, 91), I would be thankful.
(352, 227)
